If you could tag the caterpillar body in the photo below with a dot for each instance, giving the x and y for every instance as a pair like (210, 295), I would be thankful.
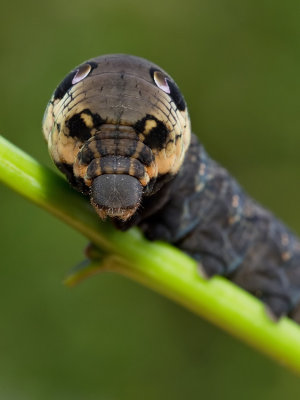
(118, 127)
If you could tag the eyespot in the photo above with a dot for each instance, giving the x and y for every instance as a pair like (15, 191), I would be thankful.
(74, 77)
(161, 81)
(81, 73)
(167, 84)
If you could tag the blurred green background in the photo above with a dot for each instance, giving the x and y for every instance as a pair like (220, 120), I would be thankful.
(238, 65)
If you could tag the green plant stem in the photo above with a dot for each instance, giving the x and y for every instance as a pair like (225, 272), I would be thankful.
(156, 265)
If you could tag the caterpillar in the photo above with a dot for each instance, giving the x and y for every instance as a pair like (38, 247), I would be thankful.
(118, 128)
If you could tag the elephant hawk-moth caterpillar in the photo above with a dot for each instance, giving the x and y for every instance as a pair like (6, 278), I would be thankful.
(118, 127)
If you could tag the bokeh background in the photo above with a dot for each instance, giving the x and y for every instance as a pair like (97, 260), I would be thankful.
(238, 65)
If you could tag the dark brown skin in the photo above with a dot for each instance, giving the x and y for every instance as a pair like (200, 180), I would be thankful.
(118, 128)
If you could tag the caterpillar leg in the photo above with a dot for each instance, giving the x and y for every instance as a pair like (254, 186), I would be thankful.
(216, 256)
(270, 284)
(295, 314)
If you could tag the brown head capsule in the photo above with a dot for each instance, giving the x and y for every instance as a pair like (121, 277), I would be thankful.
(117, 126)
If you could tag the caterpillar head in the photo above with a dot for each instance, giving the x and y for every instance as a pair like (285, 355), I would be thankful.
(118, 127)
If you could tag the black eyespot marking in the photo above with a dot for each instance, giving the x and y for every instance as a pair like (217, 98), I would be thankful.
(156, 138)
(79, 129)
(93, 64)
(64, 86)
(168, 86)
(176, 96)
(67, 83)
